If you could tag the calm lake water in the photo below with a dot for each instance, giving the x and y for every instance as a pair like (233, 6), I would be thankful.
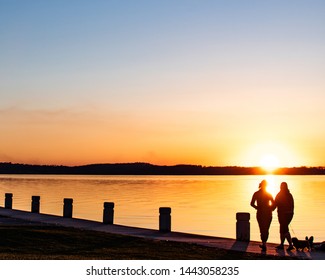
(200, 204)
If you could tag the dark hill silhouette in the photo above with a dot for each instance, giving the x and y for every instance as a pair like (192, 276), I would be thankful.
(140, 168)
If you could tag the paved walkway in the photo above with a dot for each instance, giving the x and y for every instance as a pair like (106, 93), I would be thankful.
(22, 217)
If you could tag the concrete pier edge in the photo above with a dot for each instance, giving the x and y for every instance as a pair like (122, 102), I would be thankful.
(210, 241)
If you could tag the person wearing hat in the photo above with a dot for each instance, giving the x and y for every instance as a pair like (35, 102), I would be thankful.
(263, 202)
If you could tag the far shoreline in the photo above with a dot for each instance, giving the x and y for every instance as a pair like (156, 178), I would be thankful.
(139, 168)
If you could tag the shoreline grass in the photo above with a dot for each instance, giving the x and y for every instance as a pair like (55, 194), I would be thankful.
(43, 242)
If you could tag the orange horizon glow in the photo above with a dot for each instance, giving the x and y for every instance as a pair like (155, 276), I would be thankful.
(69, 138)
(78, 142)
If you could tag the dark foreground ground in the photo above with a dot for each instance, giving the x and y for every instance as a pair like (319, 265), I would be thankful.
(42, 242)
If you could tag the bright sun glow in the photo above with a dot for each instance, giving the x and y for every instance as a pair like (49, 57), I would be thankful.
(272, 184)
(269, 162)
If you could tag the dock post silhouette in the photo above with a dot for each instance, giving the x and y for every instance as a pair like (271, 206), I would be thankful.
(67, 207)
(165, 219)
(8, 200)
(35, 204)
(243, 226)
(108, 213)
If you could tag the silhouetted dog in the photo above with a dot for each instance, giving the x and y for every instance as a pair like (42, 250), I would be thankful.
(301, 245)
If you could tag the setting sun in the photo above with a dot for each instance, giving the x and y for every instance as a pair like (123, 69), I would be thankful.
(269, 162)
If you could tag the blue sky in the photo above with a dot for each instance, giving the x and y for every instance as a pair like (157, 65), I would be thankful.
(207, 82)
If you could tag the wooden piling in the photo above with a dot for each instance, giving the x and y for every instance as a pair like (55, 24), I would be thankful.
(35, 204)
(165, 219)
(243, 226)
(8, 200)
(108, 213)
(67, 207)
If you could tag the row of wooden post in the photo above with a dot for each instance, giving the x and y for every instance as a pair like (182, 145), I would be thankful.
(108, 212)
(242, 224)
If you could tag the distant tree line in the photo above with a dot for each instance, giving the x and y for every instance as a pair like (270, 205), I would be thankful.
(139, 168)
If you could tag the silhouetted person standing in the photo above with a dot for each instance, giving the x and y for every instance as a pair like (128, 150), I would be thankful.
(263, 202)
(285, 204)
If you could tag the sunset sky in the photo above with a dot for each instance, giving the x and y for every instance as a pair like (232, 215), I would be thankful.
(220, 82)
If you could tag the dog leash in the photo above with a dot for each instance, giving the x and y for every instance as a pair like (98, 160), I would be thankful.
(292, 230)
